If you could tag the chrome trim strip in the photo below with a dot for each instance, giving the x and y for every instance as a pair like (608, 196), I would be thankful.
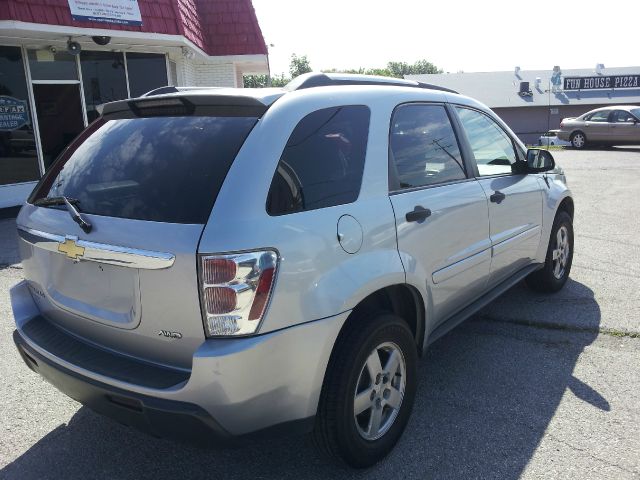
(99, 252)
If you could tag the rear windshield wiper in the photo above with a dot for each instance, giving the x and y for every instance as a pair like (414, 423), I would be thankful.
(69, 203)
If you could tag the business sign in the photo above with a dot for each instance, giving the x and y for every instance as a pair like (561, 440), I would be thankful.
(602, 81)
(13, 113)
(122, 12)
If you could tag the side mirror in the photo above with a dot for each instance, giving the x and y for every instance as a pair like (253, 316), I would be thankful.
(539, 160)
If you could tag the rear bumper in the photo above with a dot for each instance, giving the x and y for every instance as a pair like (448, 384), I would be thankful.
(263, 385)
(563, 135)
(158, 417)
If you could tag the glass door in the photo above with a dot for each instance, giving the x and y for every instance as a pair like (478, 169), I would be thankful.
(57, 98)
(60, 117)
(18, 152)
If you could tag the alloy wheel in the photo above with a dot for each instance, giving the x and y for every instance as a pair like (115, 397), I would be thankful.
(578, 140)
(561, 252)
(379, 391)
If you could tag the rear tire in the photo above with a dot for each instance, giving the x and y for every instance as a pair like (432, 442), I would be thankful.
(383, 394)
(578, 140)
(555, 273)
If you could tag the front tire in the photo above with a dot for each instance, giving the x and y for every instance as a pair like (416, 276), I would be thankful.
(368, 391)
(555, 273)
(578, 140)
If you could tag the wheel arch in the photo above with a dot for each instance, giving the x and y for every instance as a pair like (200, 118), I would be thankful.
(566, 205)
(401, 299)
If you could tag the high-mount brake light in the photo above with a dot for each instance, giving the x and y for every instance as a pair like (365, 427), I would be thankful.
(235, 290)
(161, 107)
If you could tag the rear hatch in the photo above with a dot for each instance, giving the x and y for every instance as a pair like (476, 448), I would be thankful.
(145, 176)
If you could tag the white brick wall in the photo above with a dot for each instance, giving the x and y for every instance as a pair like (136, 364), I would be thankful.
(214, 75)
(199, 72)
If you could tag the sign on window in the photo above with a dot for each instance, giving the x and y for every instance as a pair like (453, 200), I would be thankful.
(122, 12)
(13, 113)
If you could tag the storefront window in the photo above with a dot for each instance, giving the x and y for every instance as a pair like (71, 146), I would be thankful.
(46, 65)
(18, 155)
(146, 72)
(103, 78)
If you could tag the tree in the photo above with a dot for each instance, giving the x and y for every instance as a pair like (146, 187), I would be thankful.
(394, 69)
(400, 69)
(299, 65)
(261, 81)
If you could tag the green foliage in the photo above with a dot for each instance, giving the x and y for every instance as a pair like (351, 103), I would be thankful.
(301, 64)
(261, 81)
(394, 69)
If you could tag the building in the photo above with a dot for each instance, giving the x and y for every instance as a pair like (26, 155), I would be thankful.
(60, 59)
(532, 102)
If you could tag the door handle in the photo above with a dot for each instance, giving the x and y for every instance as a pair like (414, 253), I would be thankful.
(418, 214)
(497, 197)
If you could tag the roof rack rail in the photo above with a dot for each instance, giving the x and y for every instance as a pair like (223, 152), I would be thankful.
(317, 79)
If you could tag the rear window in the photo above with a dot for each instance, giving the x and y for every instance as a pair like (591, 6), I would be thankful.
(163, 169)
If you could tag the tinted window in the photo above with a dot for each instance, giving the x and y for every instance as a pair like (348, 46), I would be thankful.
(103, 78)
(18, 156)
(322, 163)
(491, 146)
(146, 71)
(622, 116)
(602, 116)
(165, 169)
(423, 147)
(46, 65)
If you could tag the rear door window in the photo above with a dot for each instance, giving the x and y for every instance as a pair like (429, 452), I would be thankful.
(163, 169)
(322, 163)
(601, 116)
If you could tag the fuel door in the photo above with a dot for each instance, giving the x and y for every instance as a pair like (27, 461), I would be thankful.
(349, 234)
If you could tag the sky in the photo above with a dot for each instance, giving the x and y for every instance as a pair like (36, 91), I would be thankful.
(470, 36)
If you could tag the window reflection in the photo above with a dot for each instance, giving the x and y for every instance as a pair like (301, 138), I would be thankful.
(423, 147)
(146, 72)
(492, 148)
(18, 156)
(103, 78)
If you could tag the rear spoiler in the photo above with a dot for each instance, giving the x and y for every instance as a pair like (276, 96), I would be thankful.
(185, 103)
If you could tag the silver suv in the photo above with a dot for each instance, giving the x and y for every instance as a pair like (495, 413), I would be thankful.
(218, 263)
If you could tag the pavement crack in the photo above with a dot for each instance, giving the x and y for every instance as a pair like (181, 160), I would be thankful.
(586, 452)
(559, 326)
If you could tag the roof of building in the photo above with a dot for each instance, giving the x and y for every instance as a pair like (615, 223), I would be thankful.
(500, 89)
(218, 27)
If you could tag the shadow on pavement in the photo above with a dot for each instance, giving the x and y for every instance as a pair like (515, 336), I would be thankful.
(487, 393)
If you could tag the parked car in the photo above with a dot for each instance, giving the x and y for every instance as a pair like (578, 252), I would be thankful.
(619, 125)
(551, 138)
(220, 262)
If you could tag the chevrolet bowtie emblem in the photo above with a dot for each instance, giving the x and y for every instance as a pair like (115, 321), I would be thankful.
(71, 249)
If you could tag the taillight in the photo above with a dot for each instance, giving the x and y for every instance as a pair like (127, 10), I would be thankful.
(235, 291)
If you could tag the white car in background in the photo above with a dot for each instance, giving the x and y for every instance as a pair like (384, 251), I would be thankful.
(551, 138)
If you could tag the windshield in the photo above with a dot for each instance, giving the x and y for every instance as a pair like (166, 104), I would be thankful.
(164, 169)
(635, 112)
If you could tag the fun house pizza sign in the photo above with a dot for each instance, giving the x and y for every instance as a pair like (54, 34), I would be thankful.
(602, 81)
(122, 12)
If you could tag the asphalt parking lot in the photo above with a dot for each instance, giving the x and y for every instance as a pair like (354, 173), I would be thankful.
(534, 386)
